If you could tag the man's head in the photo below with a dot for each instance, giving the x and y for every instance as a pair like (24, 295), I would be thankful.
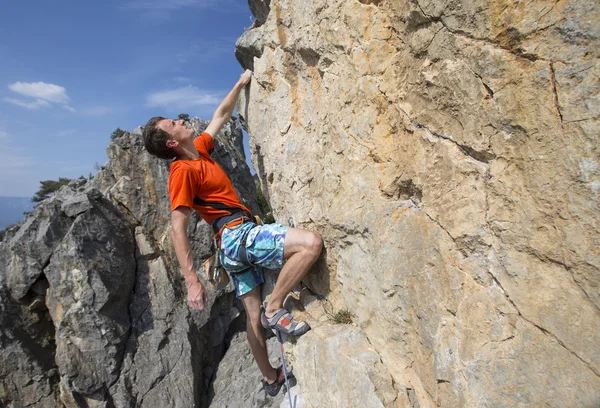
(162, 136)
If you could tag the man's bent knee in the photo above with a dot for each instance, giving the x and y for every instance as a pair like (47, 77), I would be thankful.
(307, 243)
(314, 244)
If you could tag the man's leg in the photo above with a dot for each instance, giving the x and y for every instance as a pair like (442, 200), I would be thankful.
(300, 249)
(254, 332)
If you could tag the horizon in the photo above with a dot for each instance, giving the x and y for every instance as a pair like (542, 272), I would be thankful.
(103, 66)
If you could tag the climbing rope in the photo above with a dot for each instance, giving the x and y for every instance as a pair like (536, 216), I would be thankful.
(287, 383)
(280, 340)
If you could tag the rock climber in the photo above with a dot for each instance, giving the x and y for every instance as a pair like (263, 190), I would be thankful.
(197, 182)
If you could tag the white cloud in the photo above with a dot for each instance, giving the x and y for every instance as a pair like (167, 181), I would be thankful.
(38, 103)
(41, 91)
(43, 95)
(182, 98)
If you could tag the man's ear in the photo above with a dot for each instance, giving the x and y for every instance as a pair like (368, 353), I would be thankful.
(171, 144)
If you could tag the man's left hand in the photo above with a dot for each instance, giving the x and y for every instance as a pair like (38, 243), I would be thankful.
(197, 297)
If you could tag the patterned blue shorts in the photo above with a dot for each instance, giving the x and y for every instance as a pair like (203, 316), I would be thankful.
(264, 248)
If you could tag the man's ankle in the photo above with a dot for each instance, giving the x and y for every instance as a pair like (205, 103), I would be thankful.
(273, 378)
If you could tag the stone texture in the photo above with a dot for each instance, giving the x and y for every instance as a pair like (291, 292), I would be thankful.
(237, 381)
(27, 368)
(338, 367)
(91, 274)
(447, 152)
(93, 309)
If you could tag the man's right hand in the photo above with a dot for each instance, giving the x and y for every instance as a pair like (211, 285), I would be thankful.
(245, 77)
(197, 297)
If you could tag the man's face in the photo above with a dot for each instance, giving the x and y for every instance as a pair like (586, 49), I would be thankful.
(176, 129)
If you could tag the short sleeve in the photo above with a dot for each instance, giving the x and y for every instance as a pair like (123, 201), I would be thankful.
(204, 144)
(182, 187)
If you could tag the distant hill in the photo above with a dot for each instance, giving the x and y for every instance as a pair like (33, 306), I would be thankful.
(12, 209)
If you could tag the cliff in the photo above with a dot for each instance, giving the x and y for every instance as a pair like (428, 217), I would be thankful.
(447, 151)
(93, 309)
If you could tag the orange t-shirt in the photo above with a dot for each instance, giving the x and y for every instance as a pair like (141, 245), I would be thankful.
(202, 184)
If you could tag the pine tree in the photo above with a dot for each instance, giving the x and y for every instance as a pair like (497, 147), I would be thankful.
(48, 187)
(117, 133)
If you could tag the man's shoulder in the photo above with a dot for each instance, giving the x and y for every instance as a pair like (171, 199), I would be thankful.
(204, 143)
(181, 168)
(181, 165)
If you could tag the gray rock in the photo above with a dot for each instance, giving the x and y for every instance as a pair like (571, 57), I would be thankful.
(93, 306)
(25, 254)
(260, 9)
(237, 380)
(91, 275)
(248, 47)
(28, 372)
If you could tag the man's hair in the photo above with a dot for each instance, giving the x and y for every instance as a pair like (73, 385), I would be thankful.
(155, 140)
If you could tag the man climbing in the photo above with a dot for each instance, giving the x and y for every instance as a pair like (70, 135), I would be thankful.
(198, 183)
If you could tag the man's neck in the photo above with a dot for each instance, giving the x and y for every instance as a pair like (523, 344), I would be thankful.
(188, 151)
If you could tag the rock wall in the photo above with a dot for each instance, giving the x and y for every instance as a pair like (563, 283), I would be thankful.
(93, 309)
(447, 151)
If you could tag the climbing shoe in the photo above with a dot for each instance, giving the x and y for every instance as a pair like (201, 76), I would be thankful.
(283, 322)
(273, 388)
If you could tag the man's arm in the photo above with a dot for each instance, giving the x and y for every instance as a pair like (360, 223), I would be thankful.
(225, 109)
(180, 218)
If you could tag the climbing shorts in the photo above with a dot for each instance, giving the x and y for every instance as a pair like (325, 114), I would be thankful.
(264, 249)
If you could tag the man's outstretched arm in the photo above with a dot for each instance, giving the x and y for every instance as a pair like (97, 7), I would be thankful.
(180, 218)
(225, 109)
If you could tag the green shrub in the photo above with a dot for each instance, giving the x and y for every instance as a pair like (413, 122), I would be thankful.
(117, 133)
(48, 187)
(343, 316)
(264, 206)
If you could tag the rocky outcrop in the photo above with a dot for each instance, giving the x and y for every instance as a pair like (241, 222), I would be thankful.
(235, 382)
(93, 309)
(447, 151)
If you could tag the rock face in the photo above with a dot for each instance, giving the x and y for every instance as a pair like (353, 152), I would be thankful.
(447, 151)
(235, 382)
(93, 309)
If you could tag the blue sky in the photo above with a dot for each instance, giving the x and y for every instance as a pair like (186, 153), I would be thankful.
(71, 72)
